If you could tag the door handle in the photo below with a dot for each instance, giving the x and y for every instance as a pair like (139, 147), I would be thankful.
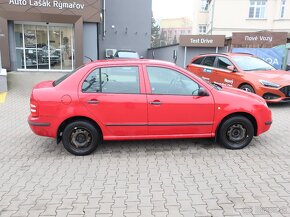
(155, 102)
(93, 101)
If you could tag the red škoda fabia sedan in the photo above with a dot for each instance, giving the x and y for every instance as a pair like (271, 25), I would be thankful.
(142, 99)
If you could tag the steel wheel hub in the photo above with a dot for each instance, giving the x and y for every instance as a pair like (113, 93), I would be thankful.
(81, 138)
(236, 133)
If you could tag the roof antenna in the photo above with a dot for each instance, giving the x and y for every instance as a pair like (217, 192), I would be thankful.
(89, 58)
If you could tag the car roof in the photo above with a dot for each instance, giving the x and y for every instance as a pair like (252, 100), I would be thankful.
(225, 54)
(131, 61)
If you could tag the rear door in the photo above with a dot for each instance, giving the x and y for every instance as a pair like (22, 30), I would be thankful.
(208, 70)
(114, 96)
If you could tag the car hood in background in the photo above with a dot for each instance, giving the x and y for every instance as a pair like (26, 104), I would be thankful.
(277, 76)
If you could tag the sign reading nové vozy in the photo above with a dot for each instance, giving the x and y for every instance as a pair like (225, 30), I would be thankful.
(265, 39)
(48, 3)
(202, 40)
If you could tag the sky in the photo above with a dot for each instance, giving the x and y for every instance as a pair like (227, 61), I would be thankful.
(172, 8)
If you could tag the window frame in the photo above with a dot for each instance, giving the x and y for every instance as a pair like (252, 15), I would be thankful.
(204, 5)
(257, 8)
(214, 62)
(100, 81)
(149, 91)
(282, 9)
(202, 27)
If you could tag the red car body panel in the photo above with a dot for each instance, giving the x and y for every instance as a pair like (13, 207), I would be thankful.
(133, 116)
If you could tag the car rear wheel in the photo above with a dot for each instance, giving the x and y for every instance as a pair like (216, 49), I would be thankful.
(248, 88)
(236, 132)
(80, 138)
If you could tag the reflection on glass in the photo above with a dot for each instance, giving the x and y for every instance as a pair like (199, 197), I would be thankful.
(42, 47)
(55, 47)
(18, 35)
(29, 36)
(20, 58)
(67, 55)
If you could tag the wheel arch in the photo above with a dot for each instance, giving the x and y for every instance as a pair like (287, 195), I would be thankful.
(244, 114)
(246, 83)
(76, 118)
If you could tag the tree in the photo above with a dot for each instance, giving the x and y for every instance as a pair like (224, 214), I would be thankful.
(155, 33)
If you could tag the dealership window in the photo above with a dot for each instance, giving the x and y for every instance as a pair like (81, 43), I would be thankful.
(170, 82)
(282, 8)
(202, 29)
(44, 47)
(204, 5)
(112, 80)
(257, 9)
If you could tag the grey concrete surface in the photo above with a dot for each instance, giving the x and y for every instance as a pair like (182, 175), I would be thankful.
(138, 178)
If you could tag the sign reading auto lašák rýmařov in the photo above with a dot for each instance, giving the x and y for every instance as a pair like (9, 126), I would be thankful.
(46, 3)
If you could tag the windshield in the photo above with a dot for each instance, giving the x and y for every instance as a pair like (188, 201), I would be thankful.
(62, 78)
(248, 63)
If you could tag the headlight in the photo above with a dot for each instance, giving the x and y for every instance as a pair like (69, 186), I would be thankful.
(269, 84)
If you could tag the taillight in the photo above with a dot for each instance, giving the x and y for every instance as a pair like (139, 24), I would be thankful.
(34, 107)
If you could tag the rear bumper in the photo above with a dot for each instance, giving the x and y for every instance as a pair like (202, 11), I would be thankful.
(41, 127)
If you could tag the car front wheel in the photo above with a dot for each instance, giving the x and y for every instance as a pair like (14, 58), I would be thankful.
(80, 138)
(247, 88)
(236, 132)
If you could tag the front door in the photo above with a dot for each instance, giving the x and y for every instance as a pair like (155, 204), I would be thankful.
(174, 107)
(113, 96)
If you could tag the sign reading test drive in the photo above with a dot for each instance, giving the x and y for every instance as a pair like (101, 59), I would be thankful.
(202, 40)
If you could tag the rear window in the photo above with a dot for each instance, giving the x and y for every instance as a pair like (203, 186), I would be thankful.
(198, 61)
(209, 61)
(62, 78)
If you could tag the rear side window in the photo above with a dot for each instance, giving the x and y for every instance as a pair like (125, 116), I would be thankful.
(198, 61)
(209, 61)
(112, 80)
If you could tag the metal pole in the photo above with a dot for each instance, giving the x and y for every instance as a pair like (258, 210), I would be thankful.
(184, 62)
(217, 49)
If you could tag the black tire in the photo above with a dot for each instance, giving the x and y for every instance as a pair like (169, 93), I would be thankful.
(236, 132)
(247, 87)
(80, 138)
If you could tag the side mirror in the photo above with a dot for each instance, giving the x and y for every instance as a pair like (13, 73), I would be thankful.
(232, 68)
(202, 92)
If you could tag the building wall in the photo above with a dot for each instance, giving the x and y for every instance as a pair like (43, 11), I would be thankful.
(127, 26)
(166, 53)
(229, 16)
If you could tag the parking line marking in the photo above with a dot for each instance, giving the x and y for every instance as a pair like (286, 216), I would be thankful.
(3, 97)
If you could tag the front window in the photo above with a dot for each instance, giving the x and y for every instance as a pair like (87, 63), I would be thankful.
(202, 29)
(167, 81)
(257, 9)
(223, 63)
(247, 63)
(282, 8)
(112, 80)
(204, 5)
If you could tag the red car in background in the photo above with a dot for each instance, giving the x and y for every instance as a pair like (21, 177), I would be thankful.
(243, 71)
(142, 99)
